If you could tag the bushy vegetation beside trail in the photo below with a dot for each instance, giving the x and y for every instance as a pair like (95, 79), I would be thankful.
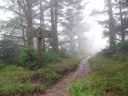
(18, 81)
(51, 57)
(13, 54)
(19, 75)
(120, 51)
(9, 51)
(28, 58)
(109, 77)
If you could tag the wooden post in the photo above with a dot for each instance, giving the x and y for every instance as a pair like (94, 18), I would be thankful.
(39, 47)
(38, 33)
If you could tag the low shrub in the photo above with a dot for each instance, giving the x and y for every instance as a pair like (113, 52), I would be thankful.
(120, 56)
(121, 51)
(1, 64)
(50, 57)
(122, 47)
(8, 51)
(64, 54)
(28, 58)
(107, 53)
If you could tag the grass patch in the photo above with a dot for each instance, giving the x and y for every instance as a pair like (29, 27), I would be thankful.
(109, 77)
(17, 81)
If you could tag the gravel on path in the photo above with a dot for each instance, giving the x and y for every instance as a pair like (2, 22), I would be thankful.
(62, 87)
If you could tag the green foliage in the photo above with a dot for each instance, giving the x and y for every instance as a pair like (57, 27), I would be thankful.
(18, 81)
(1, 64)
(12, 68)
(8, 51)
(109, 76)
(28, 58)
(121, 51)
(107, 53)
(122, 47)
(13, 83)
(120, 56)
(64, 54)
(50, 57)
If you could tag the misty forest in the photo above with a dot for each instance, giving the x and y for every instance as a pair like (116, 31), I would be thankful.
(64, 48)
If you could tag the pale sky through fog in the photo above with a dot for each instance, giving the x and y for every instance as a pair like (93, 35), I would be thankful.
(4, 14)
(95, 32)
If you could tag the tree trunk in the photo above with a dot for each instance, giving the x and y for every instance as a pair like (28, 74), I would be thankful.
(79, 41)
(111, 27)
(21, 22)
(54, 18)
(122, 26)
(72, 45)
(29, 20)
(52, 21)
(56, 22)
(42, 23)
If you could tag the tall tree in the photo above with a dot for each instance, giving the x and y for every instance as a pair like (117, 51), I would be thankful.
(121, 19)
(73, 25)
(35, 13)
(111, 25)
(54, 22)
(24, 9)
(42, 21)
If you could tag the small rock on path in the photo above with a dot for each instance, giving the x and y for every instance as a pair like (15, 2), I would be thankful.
(62, 87)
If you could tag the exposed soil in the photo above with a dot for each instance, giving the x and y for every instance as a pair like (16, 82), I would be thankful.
(62, 87)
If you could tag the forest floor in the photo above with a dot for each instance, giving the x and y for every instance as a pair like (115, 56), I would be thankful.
(62, 87)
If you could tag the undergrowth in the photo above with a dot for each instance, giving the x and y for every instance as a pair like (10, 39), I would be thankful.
(17, 81)
(109, 77)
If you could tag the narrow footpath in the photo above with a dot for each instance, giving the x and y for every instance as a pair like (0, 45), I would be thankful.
(62, 87)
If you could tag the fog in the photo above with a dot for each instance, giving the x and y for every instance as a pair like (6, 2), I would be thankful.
(93, 35)
(96, 30)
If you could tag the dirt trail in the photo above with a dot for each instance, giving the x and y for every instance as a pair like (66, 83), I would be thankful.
(62, 87)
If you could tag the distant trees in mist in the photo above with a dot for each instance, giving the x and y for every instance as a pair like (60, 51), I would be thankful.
(47, 14)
